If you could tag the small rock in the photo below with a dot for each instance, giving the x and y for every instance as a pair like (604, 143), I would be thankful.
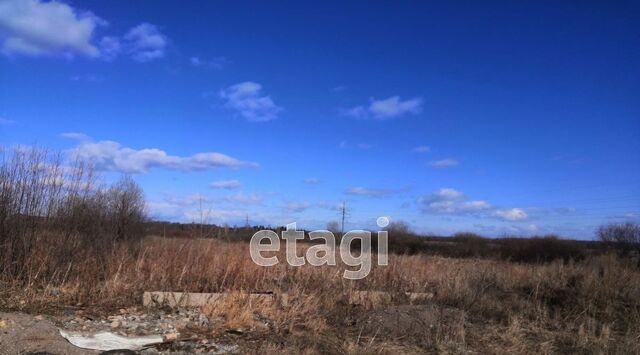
(38, 317)
(115, 324)
(171, 336)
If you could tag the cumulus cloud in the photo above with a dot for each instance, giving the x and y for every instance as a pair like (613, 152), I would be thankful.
(296, 206)
(53, 28)
(246, 98)
(146, 43)
(225, 184)
(361, 191)
(512, 214)
(33, 27)
(112, 156)
(191, 211)
(444, 163)
(443, 195)
(453, 202)
(391, 107)
(422, 149)
(196, 207)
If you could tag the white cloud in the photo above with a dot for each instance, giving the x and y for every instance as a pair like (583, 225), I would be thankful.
(422, 149)
(215, 63)
(225, 184)
(110, 155)
(190, 200)
(75, 135)
(247, 100)
(361, 191)
(444, 194)
(162, 209)
(212, 215)
(192, 212)
(444, 163)
(146, 43)
(388, 108)
(109, 47)
(333, 206)
(296, 206)
(245, 199)
(312, 181)
(33, 27)
(197, 207)
(453, 202)
(513, 214)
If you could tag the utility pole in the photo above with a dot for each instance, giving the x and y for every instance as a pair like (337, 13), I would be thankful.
(344, 212)
(246, 223)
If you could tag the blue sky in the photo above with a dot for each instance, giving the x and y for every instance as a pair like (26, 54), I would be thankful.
(494, 117)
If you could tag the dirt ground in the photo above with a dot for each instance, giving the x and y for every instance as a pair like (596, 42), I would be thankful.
(27, 334)
(22, 333)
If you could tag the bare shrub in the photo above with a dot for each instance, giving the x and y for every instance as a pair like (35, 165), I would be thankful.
(47, 200)
(540, 249)
(471, 245)
(398, 228)
(624, 237)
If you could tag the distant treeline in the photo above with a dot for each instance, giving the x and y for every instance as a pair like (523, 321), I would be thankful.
(621, 238)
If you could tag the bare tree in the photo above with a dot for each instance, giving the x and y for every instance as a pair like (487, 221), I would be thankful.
(127, 209)
(625, 237)
(398, 228)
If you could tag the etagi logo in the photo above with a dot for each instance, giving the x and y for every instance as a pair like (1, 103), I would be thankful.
(322, 253)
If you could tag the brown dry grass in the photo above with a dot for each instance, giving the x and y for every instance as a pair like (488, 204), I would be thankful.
(592, 306)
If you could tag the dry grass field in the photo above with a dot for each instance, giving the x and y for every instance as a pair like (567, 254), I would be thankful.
(485, 306)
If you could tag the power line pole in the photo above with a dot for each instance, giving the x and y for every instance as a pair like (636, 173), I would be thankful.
(344, 212)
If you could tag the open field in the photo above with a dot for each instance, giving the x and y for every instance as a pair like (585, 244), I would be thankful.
(487, 306)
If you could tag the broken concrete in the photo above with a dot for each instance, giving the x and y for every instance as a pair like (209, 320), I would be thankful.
(194, 300)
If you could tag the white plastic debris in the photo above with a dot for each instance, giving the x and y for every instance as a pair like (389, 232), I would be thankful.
(109, 341)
